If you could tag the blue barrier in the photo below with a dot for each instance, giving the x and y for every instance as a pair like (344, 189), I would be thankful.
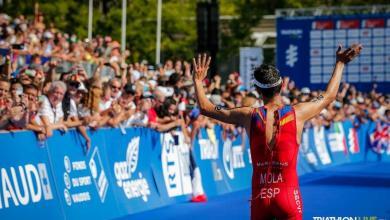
(83, 181)
(27, 184)
(136, 169)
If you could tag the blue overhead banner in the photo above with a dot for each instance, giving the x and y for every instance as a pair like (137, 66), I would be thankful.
(307, 46)
(27, 187)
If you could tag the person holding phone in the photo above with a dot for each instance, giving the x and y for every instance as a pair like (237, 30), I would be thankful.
(274, 131)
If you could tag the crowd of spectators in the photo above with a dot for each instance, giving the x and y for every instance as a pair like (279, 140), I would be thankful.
(37, 95)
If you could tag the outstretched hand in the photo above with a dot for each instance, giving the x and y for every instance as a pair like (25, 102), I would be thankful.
(349, 54)
(201, 66)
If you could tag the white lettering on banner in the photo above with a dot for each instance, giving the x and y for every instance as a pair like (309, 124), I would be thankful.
(270, 178)
(98, 174)
(77, 188)
(307, 152)
(81, 197)
(78, 165)
(34, 184)
(352, 141)
(208, 151)
(319, 143)
(273, 163)
(336, 142)
(269, 193)
(238, 157)
(233, 158)
(227, 161)
(132, 187)
(250, 58)
(175, 165)
(291, 32)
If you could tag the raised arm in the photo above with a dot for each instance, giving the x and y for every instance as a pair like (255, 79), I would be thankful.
(238, 116)
(307, 110)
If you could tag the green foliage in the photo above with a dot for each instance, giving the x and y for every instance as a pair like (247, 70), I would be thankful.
(178, 21)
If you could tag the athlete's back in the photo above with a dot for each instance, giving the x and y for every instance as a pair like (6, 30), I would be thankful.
(275, 190)
(275, 187)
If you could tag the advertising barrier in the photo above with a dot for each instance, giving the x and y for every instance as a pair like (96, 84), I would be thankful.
(137, 169)
(83, 181)
(27, 186)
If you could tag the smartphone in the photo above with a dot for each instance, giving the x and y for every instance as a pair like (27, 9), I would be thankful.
(176, 139)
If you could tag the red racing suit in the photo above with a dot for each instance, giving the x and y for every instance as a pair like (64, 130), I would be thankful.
(275, 189)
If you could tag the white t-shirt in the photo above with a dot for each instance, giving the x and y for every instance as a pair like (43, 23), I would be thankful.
(54, 114)
(73, 109)
(105, 105)
(138, 119)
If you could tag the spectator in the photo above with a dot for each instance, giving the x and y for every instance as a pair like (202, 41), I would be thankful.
(51, 113)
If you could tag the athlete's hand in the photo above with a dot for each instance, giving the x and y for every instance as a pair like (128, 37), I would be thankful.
(201, 66)
(345, 56)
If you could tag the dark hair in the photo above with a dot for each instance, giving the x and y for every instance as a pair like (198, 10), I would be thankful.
(30, 86)
(174, 78)
(163, 110)
(267, 74)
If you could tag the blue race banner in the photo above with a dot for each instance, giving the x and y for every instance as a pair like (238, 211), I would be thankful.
(310, 160)
(355, 151)
(171, 167)
(320, 147)
(84, 187)
(206, 148)
(337, 143)
(129, 156)
(307, 46)
(27, 188)
(234, 156)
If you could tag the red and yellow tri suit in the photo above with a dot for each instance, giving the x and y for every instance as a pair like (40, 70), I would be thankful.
(275, 189)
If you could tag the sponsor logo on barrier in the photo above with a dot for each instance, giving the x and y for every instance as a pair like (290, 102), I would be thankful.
(336, 138)
(353, 141)
(175, 165)
(233, 158)
(320, 145)
(24, 185)
(132, 186)
(208, 150)
(98, 174)
(305, 149)
(76, 180)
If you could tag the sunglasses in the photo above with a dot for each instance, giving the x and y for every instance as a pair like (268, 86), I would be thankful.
(114, 87)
